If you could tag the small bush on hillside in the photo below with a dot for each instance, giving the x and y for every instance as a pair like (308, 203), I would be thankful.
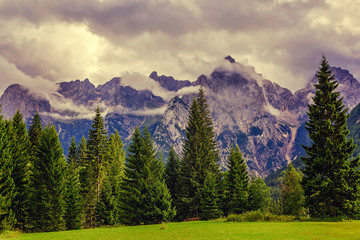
(259, 216)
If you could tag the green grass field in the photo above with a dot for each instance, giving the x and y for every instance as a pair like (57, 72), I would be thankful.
(213, 230)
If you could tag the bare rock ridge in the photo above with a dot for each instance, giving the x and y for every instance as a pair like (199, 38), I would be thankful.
(263, 118)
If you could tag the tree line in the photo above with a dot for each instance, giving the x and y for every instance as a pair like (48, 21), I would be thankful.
(101, 183)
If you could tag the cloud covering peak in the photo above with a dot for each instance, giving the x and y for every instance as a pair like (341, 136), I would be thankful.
(99, 39)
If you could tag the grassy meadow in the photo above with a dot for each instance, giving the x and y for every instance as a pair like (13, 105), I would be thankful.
(211, 230)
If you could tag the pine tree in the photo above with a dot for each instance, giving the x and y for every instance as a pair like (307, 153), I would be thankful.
(145, 197)
(48, 180)
(94, 167)
(157, 203)
(172, 174)
(199, 158)
(84, 177)
(292, 193)
(73, 155)
(73, 201)
(236, 182)
(210, 200)
(131, 186)
(21, 158)
(259, 195)
(331, 179)
(107, 208)
(7, 186)
(35, 131)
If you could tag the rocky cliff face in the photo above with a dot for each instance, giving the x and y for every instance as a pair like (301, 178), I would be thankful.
(17, 97)
(264, 119)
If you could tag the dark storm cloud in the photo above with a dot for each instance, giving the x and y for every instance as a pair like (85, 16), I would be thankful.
(134, 17)
(283, 39)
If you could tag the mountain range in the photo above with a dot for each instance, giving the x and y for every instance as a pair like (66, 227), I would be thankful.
(264, 119)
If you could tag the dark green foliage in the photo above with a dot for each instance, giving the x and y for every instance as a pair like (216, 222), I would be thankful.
(107, 208)
(145, 197)
(259, 195)
(210, 200)
(354, 127)
(331, 180)
(21, 158)
(35, 131)
(292, 193)
(236, 183)
(93, 167)
(172, 174)
(96, 146)
(7, 186)
(48, 180)
(199, 158)
(73, 202)
(73, 154)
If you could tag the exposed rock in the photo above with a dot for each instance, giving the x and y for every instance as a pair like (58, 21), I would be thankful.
(265, 120)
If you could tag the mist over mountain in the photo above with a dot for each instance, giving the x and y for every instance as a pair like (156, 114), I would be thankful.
(263, 118)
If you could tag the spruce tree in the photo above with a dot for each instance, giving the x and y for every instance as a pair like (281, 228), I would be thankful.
(73, 155)
(48, 180)
(292, 193)
(236, 183)
(331, 178)
(35, 131)
(199, 158)
(172, 174)
(210, 200)
(145, 197)
(73, 201)
(7, 186)
(84, 177)
(94, 166)
(259, 195)
(131, 186)
(107, 208)
(157, 203)
(21, 158)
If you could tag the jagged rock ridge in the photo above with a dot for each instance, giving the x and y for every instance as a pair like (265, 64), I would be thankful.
(264, 119)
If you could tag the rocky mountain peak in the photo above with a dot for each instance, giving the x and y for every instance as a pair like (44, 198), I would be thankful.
(169, 83)
(230, 59)
(18, 97)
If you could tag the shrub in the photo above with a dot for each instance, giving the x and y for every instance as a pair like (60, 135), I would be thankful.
(259, 216)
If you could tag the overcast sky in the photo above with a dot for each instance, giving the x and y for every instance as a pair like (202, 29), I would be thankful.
(47, 41)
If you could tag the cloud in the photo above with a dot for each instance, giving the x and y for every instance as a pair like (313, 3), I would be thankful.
(10, 74)
(141, 82)
(283, 39)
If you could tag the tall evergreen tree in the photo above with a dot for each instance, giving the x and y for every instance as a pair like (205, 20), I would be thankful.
(145, 197)
(236, 182)
(73, 201)
(199, 157)
(84, 175)
(107, 208)
(48, 180)
(292, 193)
(94, 166)
(21, 158)
(172, 174)
(7, 186)
(331, 180)
(210, 201)
(73, 153)
(35, 131)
